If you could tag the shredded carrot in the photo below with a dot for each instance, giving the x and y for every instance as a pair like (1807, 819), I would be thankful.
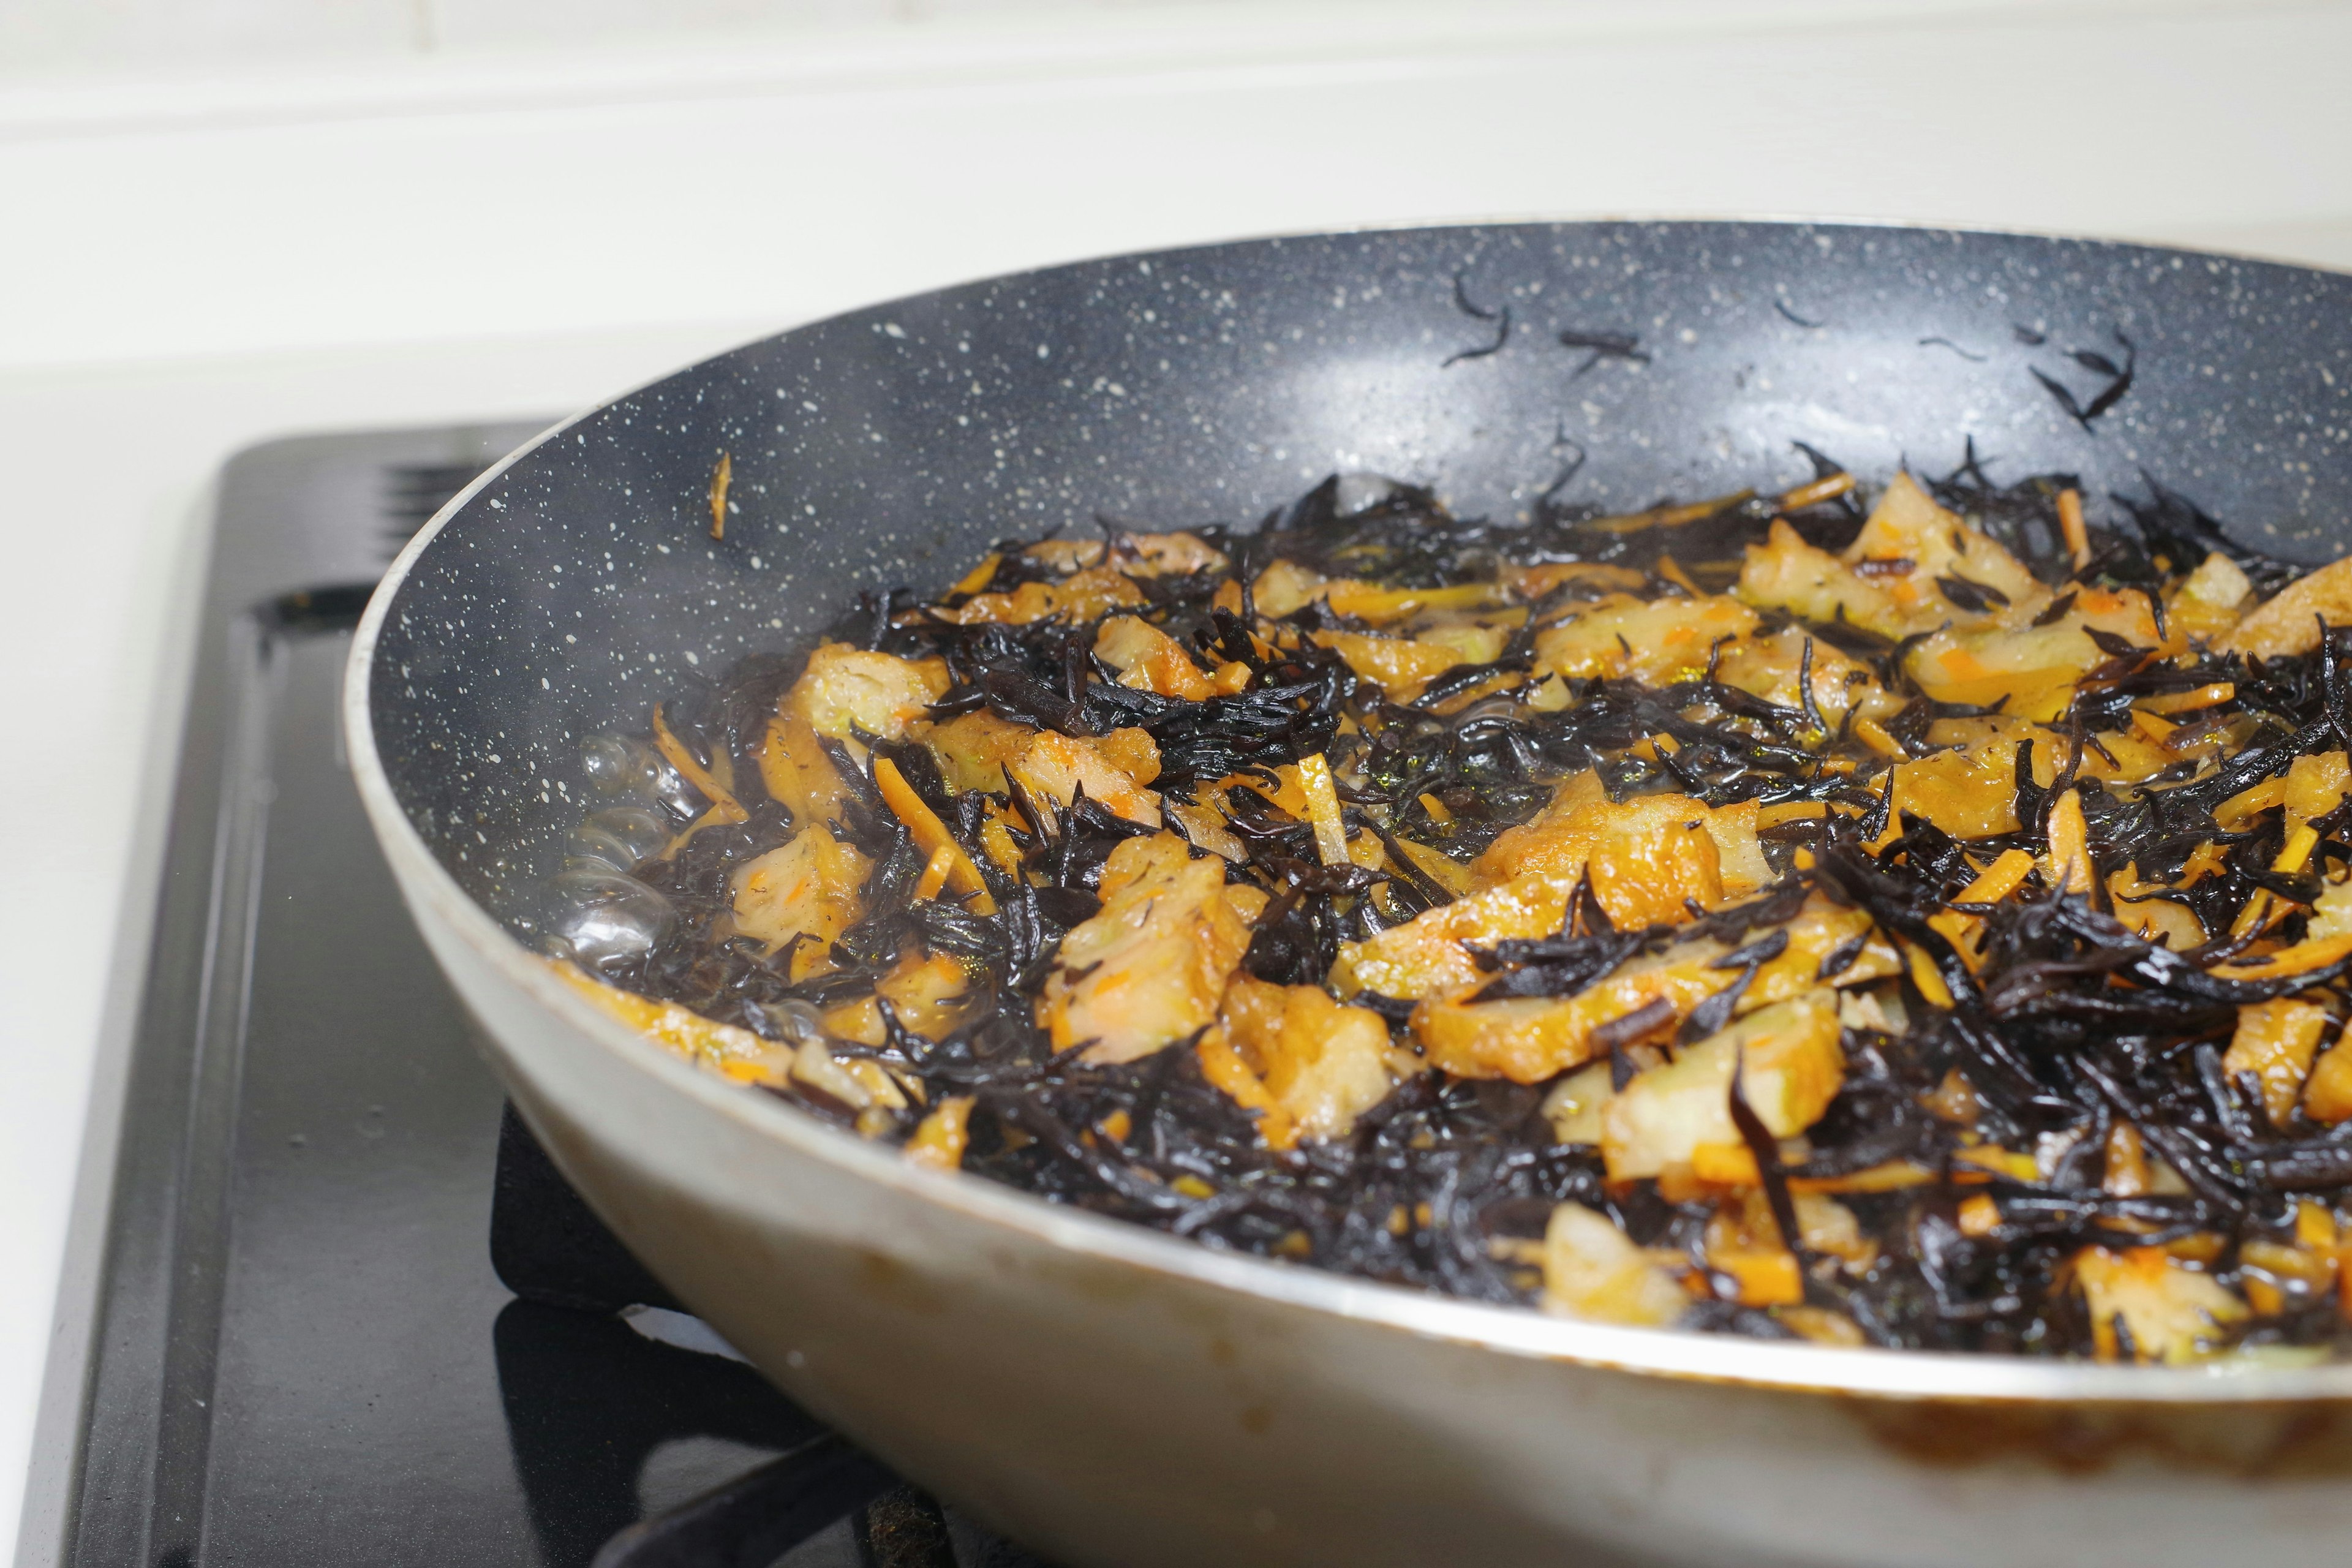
(1931, 986)
(720, 478)
(1323, 809)
(1871, 733)
(2219, 692)
(2070, 523)
(1820, 490)
(1672, 570)
(931, 834)
(1668, 517)
(935, 873)
(980, 576)
(1992, 884)
(2233, 814)
(1437, 866)
(2070, 846)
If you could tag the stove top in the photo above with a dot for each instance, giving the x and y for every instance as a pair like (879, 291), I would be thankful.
(349, 1314)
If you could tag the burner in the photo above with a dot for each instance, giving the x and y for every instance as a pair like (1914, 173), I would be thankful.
(350, 1312)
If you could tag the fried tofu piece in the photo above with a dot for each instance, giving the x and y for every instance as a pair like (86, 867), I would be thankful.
(1112, 769)
(2032, 670)
(2289, 621)
(1646, 857)
(846, 689)
(1400, 667)
(1593, 1271)
(928, 996)
(738, 1053)
(1136, 554)
(1888, 580)
(1286, 587)
(980, 751)
(1082, 595)
(1528, 1039)
(1427, 956)
(796, 770)
(1772, 666)
(1148, 660)
(1322, 1064)
(1790, 1067)
(2276, 1042)
(1152, 966)
(807, 890)
(2208, 601)
(1657, 642)
(2172, 1312)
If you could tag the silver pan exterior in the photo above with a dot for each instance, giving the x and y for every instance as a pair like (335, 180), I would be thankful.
(1117, 1397)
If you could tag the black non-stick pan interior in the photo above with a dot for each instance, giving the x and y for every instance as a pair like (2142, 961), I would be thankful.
(894, 445)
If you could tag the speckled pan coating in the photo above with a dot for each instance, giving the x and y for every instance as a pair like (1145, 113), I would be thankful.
(894, 445)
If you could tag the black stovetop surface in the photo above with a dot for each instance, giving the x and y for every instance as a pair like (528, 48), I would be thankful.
(304, 1354)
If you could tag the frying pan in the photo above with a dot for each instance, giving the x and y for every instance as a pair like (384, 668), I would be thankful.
(1113, 1395)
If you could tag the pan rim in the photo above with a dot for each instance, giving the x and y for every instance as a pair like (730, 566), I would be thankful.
(1972, 1378)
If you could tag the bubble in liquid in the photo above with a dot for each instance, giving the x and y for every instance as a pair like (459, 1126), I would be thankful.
(619, 837)
(618, 765)
(672, 790)
(604, 918)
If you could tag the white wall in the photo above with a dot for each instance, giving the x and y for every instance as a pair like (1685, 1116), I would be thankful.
(43, 36)
(51, 38)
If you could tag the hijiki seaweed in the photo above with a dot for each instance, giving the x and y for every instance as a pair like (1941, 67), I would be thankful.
(1918, 924)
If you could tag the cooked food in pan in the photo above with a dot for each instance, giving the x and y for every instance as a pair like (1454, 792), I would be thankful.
(1923, 923)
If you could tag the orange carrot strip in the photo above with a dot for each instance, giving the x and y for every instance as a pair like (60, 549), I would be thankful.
(931, 834)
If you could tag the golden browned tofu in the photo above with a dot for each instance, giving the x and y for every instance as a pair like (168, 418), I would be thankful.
(2275, 1041)
(2208, 601)
(1771, 666)
(2173, 1312)
(846, 689)
(1150, 968)
(1657, 642)
(1889, 581)
(2032, 670)
(1593, 1271)
(1426, 955)
(796, 770)
(1148, 660)
(1112, 769)
(1646, 857)
(1080, 596)
(979, 752)
(1790, 1065)
(1322, 1063)
(2289, 621)
(1136, 554)
(843, 691)
(806, 891)
(1400, 667)
(927, 995)
(1287, 586)
(1530, 1038)
(722, 1048)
